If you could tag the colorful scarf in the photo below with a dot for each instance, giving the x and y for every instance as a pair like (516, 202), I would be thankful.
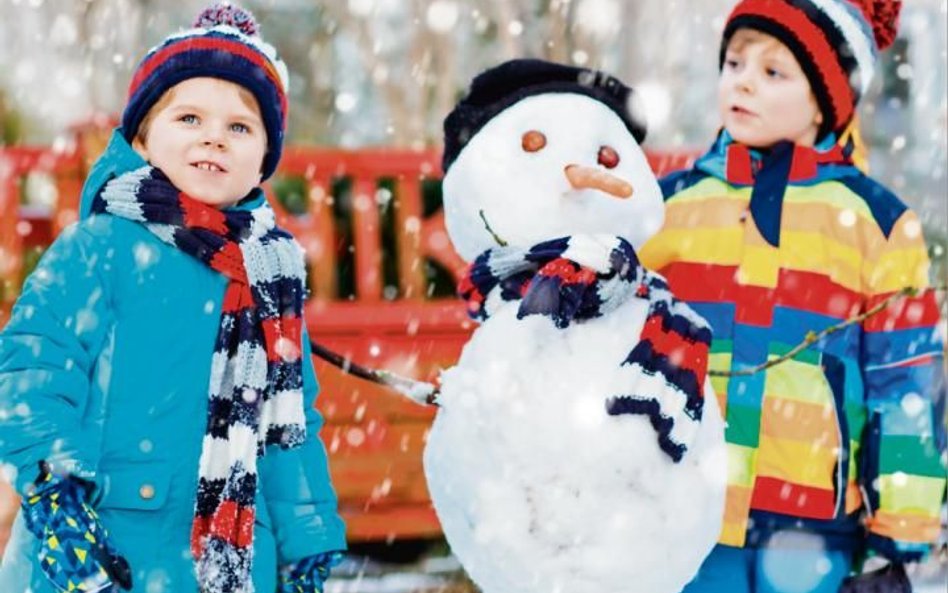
(255, 392)
(577, 278)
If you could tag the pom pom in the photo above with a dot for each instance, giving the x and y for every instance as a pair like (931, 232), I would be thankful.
(883, 15)
(227, 14)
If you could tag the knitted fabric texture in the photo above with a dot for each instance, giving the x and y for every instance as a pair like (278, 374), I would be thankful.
(255, 392)
(836, 43)
(496, 89)
(577, 278)
(224, 44)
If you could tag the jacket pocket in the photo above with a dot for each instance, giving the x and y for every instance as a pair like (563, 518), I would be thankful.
(141, 488)
(835, 373)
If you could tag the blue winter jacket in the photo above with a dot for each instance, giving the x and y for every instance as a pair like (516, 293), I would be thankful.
(104, 367)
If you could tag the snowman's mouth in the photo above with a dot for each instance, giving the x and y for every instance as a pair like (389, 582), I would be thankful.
(490, 230)
(581, 177)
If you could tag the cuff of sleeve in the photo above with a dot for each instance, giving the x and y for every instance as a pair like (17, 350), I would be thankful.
(896, 551)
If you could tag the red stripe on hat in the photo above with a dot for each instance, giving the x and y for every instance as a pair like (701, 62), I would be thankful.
(205, 43)
(283, 337)
(816, 44)
(198, 215)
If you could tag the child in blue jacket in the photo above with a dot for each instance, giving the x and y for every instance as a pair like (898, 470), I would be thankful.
(156, 386)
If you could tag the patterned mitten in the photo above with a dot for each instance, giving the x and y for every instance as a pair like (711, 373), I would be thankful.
(888, 579)
(75, 552)
(309, 574)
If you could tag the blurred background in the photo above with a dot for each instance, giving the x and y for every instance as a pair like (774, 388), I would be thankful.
(385, 72)
(370, 74)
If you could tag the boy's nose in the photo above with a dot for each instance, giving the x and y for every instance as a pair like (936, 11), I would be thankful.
(215, 141)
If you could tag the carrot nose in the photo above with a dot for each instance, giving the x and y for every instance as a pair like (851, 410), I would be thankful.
(581, 177)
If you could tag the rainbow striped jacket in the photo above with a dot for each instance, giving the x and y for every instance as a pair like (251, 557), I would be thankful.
(847, 437)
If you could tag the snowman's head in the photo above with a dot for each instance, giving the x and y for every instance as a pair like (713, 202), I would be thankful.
(554, 161)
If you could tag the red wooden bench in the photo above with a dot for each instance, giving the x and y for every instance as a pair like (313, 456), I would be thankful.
(369, 301)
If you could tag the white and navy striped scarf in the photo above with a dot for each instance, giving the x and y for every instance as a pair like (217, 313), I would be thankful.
(583, 277)
(255, 392)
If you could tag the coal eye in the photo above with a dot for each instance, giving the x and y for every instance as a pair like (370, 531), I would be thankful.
(608, 157)
(533, 141)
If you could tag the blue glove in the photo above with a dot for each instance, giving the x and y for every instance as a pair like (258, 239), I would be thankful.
(309, 574)
(75, 552)
(888, 579)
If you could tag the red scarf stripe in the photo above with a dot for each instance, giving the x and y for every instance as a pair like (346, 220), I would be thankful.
(229, 261)
(198, 216)
(681, 352)
(155, 60)
(232, 523)
(568, 272)
(237, 297)
(289, 329)
(815, 42)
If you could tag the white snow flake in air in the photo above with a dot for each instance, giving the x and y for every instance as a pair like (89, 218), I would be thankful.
(600, 18)
(145, 255)
(361, 8)
(847, 217)
(442, 16)
(912, 404)
(346, 102)
(656, 101)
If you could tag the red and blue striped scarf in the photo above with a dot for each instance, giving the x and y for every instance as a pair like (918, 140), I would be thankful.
(573, 279)
(255, 391)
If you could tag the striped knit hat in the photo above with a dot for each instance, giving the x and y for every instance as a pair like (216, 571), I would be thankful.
(223, 43)
(836, 43)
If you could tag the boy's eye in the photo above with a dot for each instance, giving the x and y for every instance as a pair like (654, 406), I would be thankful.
(731, 63)
(774, 73)
(239, 128)
(188, 118)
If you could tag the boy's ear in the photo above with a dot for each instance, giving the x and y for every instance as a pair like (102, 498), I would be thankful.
(139, 147)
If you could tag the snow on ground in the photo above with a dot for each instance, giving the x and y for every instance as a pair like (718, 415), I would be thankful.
(444, 574)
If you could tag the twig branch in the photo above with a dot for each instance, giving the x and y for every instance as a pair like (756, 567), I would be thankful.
(496, 237)
(420, 392)
(812, 337)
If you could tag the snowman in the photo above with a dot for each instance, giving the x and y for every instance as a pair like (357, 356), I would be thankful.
(579, 447)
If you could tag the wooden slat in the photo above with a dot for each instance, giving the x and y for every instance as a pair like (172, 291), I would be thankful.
(367, 239)
(11, 242)
(408, 227)
(320, 240)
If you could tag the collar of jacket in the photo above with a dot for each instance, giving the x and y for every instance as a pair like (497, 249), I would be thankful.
(769, 172)
(118, 158)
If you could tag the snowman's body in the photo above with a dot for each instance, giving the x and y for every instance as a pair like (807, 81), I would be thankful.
(538, 489)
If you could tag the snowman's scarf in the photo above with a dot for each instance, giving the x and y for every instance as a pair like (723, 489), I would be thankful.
(255, 392)
(573, 279)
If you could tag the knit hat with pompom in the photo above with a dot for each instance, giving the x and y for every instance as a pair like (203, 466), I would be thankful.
(836, 42)
(223, 43)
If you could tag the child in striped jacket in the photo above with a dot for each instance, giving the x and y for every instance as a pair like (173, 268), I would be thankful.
(774, 233)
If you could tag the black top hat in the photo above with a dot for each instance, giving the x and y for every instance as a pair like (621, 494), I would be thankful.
(498, 88)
